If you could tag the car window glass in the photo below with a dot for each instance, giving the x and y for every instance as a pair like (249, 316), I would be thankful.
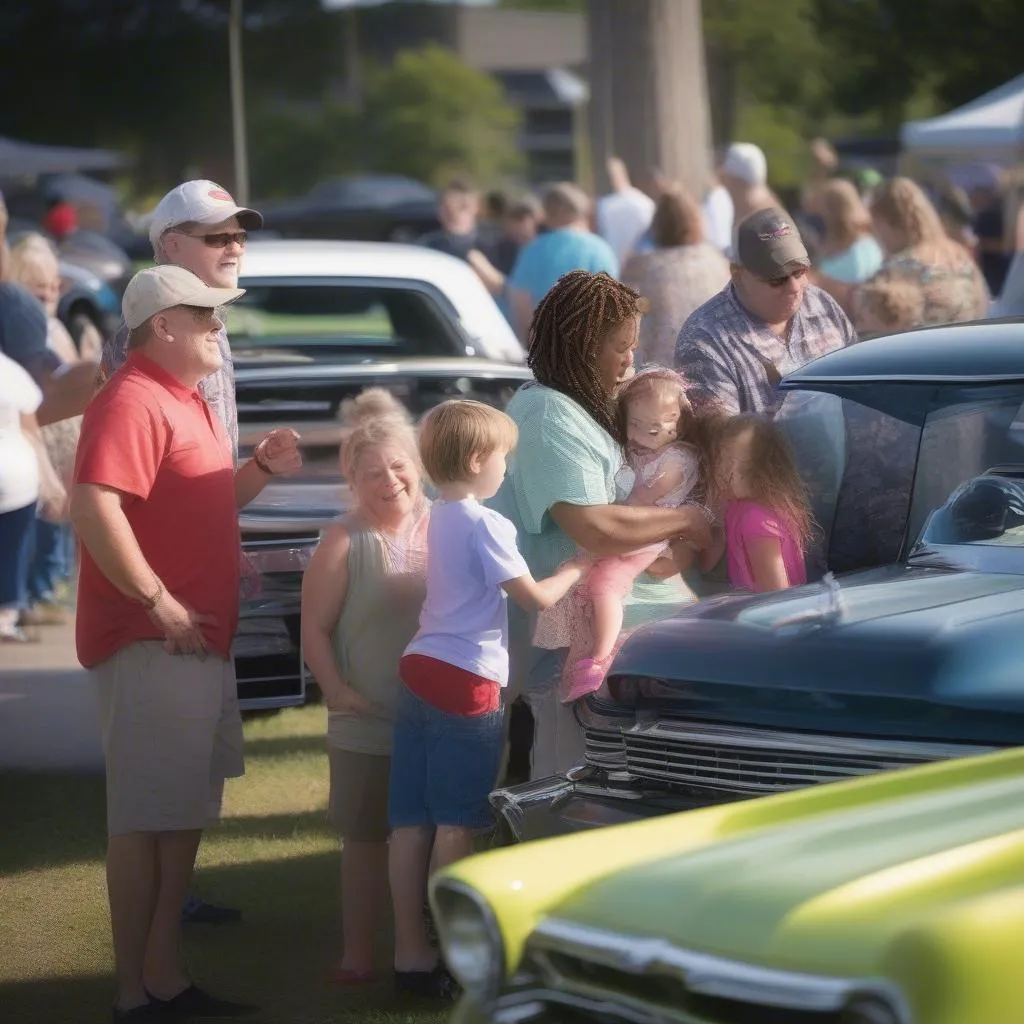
(304, 318)
(958, 445)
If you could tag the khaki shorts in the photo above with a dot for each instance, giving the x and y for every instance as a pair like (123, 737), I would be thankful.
(358, 805)
(171, 735)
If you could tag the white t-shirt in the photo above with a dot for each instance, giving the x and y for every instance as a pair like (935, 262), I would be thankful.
(19, 466)
(471, 552)
(717, 211)
(622, 217)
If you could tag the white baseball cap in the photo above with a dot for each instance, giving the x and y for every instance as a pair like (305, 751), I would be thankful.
(199, 202)
(151, 291)
(747, 162)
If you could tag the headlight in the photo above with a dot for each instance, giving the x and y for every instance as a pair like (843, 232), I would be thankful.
(870, 1010)
(470, 938)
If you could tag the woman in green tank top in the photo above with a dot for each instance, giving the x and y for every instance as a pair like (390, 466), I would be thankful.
(361, 599)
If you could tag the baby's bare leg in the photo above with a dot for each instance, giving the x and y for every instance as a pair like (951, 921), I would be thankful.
(608, 615)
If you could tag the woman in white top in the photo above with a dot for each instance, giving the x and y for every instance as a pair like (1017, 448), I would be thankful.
(20, 472)
(34, 265)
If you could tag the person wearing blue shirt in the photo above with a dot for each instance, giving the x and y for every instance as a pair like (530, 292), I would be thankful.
(567, 245)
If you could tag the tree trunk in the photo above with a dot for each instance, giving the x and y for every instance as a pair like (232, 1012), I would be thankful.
(649, 96)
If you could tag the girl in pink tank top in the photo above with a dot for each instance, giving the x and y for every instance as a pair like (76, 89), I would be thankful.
(767, 522)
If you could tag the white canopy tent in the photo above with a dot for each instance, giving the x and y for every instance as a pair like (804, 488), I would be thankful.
(988, 128)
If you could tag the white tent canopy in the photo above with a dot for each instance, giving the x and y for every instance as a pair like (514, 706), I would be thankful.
(991, 127)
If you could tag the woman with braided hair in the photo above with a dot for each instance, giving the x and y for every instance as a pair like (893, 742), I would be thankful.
(560, 488)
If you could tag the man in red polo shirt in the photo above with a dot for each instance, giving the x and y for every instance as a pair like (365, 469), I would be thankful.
(155, 504)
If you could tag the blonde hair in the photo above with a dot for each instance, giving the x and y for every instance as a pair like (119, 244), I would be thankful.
(902, 204)
(898, 304)
(32, 252)
(454, 431)
(372, 419)
(845, 215)
(774, 479)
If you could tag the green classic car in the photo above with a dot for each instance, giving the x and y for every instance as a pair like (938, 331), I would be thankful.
(893, 899)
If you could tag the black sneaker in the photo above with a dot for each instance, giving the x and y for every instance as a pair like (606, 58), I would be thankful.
(197, 911)
(434, 984)
(194, 1002)
(144, 1014)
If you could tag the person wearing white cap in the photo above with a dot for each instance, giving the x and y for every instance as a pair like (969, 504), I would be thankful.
(155, 504)
(744, 173)
(200, 227)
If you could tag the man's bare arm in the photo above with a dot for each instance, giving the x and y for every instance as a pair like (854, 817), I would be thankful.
(67, 393)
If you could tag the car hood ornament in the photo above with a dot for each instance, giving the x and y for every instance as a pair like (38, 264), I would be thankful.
(830, 611)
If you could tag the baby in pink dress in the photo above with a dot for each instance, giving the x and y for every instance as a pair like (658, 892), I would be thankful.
(661, 469)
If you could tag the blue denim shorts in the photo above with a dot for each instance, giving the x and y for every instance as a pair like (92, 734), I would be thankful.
(443, 766)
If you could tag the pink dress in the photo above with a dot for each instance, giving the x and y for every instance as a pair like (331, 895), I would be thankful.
(747, 520)
(566, 624)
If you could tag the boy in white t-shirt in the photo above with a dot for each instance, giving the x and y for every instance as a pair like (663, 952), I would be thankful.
(448, 729)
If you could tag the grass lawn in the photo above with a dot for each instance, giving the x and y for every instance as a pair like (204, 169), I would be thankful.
(273, 856)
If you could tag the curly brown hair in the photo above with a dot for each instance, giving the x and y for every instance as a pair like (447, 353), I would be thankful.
(774, 479)
(567, 331)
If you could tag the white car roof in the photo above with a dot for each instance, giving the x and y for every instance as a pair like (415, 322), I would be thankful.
(481, 318)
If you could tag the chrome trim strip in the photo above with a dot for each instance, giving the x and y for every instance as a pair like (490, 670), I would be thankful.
(809, 743)
(701, 973)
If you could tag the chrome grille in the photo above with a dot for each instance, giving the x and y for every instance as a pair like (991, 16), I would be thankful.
(604, 748)
(744, 762)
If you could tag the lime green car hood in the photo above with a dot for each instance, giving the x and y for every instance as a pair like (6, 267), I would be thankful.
(826, 892)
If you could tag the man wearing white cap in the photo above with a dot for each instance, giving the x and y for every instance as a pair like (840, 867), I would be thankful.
(155, 504)
(200, 227)
(744, 173)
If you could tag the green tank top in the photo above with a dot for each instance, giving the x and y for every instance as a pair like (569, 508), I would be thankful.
(386, 587)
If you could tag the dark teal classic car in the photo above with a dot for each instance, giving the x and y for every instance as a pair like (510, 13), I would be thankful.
(913, 448)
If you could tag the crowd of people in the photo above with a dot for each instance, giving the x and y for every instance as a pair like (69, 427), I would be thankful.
(640, 468)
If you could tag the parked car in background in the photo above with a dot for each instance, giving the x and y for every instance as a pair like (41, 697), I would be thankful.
(367, 208)
(895, 899)
(917, 661)
(319, 322)
(86, 299)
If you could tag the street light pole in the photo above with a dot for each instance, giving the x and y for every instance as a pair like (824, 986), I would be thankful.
(238, 103)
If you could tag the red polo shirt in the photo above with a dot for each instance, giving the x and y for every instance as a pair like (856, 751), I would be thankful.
(156, 441)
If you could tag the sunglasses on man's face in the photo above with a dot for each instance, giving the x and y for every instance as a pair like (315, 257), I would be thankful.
(780, 282)
(222, 239)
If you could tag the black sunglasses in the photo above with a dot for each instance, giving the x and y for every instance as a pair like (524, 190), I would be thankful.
(222, 239)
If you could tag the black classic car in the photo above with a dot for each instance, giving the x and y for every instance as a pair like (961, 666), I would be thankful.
(912, 444)
(319, 322)
(368, 208)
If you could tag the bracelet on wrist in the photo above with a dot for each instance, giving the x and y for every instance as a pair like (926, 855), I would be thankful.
(149, 603)
(257, 457)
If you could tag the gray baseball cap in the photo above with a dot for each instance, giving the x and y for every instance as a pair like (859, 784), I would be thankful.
(768, 244)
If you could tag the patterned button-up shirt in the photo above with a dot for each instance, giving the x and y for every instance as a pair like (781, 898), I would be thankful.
(218, 389)
(733, 360)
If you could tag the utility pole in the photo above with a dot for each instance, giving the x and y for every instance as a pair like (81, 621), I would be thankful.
(648, 90)
(238, 102)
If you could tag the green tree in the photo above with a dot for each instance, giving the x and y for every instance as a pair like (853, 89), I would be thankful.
(428, 116)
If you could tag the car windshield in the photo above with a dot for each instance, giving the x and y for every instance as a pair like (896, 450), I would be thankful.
(969, 488)
(858, 466)
(301, 318)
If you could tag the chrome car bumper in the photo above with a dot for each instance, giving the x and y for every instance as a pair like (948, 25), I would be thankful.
(583, 798)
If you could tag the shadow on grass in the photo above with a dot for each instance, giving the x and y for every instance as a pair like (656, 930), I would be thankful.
(278, 957)
(285, 746)
(50, 820)
(66, 824)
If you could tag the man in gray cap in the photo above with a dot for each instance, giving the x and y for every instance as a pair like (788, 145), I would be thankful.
(768, 321)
